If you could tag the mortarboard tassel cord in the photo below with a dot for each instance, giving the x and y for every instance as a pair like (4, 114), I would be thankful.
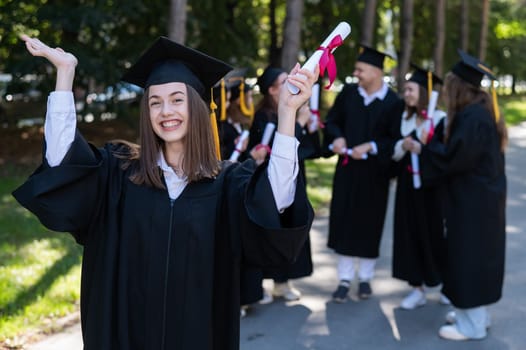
(213, 121)
(495, 104)
(246, 110)
(222, 117)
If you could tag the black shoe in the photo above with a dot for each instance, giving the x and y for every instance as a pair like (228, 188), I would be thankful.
(340, 295)
(364, 290)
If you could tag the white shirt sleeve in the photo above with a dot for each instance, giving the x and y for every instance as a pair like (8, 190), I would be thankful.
(283, 170)
(60, 125)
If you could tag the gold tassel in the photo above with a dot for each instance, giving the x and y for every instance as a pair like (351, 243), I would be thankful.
(223, 101)
(429, 84)
(248, 111)
(213, 121)
(495, 104)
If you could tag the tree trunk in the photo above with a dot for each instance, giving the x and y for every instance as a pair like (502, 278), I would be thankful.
(464, 25)
(274, 52)
(406, 40)
(177, 21)
(483, 41)
(440, 32)
(369, 16)
(291, 34)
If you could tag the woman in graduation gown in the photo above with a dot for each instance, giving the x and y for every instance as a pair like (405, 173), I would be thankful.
(270, 83)
(470, 163)
(165, 226)
(418, 238)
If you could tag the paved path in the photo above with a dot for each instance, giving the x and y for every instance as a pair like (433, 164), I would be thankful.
(315, 322)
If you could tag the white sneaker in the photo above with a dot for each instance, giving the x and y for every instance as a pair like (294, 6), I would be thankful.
(444, 300)
(451, 332)
(267, 298)
(286, 290)
(416, 298)
(451, 318)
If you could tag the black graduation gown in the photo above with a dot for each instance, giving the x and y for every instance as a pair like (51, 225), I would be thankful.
(360, 188)
(471, 166)
(418, 233)
(154, 266)
(308, 148)
(227, 137)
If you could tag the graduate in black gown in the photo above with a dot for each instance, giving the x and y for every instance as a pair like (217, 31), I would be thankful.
(239, 112)
(418, 234)
(470, 164)
(165, 226)
(270, 82)
(364, 119)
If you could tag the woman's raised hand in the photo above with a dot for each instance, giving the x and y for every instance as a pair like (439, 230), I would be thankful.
(64, 61)
(56, 56)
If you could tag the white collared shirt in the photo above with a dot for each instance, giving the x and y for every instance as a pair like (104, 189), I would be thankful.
(378, 94)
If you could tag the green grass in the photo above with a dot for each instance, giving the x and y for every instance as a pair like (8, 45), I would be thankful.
(319, 181)
(513, 108)
(39, 269)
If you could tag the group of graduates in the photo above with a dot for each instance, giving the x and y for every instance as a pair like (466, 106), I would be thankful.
(449, 216)
(176, 241)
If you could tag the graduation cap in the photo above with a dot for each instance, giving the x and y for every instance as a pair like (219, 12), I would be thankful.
(471, 69)
(424, 77)
(238, 89)
(372, 56)
(268, 77)
(167, 61)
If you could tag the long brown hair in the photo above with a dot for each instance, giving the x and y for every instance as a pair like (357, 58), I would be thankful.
(460, 94)
(199, 159)
(421, 104)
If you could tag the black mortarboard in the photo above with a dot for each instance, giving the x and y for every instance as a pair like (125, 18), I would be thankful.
(421, 77)
(268, 77)
(371, 56)
(471, 69)
(167, 61)
(234, 78)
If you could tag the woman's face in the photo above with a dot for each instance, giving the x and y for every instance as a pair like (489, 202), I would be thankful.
(168, 107)
(276, 87)
(411, 93)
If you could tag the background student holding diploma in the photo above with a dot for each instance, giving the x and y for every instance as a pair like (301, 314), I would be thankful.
(470, 164)
(418, 237)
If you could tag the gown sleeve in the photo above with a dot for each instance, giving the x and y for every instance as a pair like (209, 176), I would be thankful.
(71, 197)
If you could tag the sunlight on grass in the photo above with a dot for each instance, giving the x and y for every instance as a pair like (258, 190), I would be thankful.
(39, 269)
(513, 109)
(319, 181)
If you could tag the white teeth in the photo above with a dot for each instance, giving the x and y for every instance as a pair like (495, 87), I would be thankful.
(170, 123)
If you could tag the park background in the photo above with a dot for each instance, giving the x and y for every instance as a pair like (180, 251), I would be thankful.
(40, 269)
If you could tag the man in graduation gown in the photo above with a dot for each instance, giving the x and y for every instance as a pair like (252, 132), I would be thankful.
(364, 119)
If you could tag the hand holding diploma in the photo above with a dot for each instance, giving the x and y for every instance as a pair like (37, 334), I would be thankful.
(323, 55)
(260, 152)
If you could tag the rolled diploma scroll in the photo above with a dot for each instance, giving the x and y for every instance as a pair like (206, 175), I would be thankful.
(267, 134)
(314, 104)
(239, 144)
(343, 29)
(348, 151)
(415, 166)
(416, 171)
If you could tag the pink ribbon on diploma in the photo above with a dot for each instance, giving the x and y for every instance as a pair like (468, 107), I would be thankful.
(327, 60)
(317, 114)
(431, 125)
